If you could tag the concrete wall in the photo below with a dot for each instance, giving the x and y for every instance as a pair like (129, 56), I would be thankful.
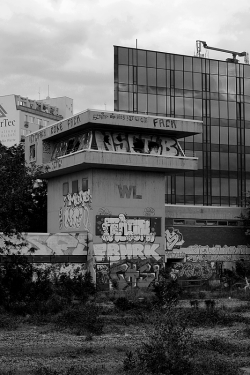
(129, 200)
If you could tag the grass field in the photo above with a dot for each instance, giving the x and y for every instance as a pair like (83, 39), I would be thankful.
(39, 345)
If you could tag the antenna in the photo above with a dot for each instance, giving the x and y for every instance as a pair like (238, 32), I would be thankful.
(39, 93)
(136, 43)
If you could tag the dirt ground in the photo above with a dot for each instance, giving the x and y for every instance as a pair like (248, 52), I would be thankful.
(30, 346)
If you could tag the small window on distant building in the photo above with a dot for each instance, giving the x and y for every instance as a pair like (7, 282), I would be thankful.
(39, 121)
(84, 184)
(65, 188)
(32, 152)
(75, 186)
(45, 122)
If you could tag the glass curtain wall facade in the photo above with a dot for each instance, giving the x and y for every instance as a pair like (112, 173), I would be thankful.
(216, 92)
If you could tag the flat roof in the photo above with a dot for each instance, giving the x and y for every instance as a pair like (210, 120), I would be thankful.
(111, 120)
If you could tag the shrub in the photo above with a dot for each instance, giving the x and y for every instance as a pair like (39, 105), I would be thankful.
(167, 349)
(167, 292)
(81, 318)
(123, 304)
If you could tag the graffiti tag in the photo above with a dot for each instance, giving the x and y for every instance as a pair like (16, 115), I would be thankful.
(120, 229)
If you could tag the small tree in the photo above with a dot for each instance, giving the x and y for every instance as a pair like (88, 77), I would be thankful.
(23, 198)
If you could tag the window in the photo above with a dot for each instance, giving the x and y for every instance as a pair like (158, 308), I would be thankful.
(84, 184)
(75, 186)
(32, 152)
(65, 188)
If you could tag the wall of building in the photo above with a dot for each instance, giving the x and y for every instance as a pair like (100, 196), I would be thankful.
(107, 202)
(9, 121)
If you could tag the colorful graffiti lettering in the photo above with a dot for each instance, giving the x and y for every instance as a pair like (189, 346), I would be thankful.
(120, 229)
(201, 270)
(76, 210)
(115, 251)
(174, 239)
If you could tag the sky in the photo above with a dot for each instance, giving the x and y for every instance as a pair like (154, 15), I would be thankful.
(65, 47)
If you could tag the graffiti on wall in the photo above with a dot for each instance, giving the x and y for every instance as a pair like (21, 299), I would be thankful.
(115, 251)
(49, 244)
(135, 273)
(75, 212)
(120, 229)
(191, 270)
(137, 143)
(117, 142)
(174, 239)
(226, 253)
(123, 228)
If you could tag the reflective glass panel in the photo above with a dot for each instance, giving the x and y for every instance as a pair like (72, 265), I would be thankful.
(179, 185)
(233, 162)
(231, 69)
(214, 109)
(232, 136)
(188, 63)
(223, 109)
(222, 84)
(123, 73)
(152, 103)
(215, 161)
(197, 64)
(215, 134)
(141, 57)
(161, 60)
(179, 108)
(188, 84)
(197, 107)
(178, 80)
(142, 76)
(247, 162)
(224, 187)
(222, 68)
(232, 110)
(122, 55)
(233, 187)
(151, 76)
(197, 82)
(231, 85)
(188, 103)
(247, 112)
(142, 103)
(214, 83)
(161, 103)
(247, 137)
(223, 135)
(247, 71)
(189, 185)
(213, 67)
(215, 182)
(179, 62)
(123, 101)
(223, 161)
(151, 59)
(161, 77)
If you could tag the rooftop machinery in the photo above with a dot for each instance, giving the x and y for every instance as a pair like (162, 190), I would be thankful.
(199, 43)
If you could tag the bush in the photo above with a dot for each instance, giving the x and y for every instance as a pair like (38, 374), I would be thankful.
(83, 318)
(167, 349)
(123, 304)
(167, 292)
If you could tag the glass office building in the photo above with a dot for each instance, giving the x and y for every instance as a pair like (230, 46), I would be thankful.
(216, 92)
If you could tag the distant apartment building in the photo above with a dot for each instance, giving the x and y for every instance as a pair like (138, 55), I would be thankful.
(20, 116)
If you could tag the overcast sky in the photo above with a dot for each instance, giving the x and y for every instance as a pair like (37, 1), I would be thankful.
(68, 44)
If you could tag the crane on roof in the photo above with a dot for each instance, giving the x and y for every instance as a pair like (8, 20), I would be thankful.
(234, 54)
